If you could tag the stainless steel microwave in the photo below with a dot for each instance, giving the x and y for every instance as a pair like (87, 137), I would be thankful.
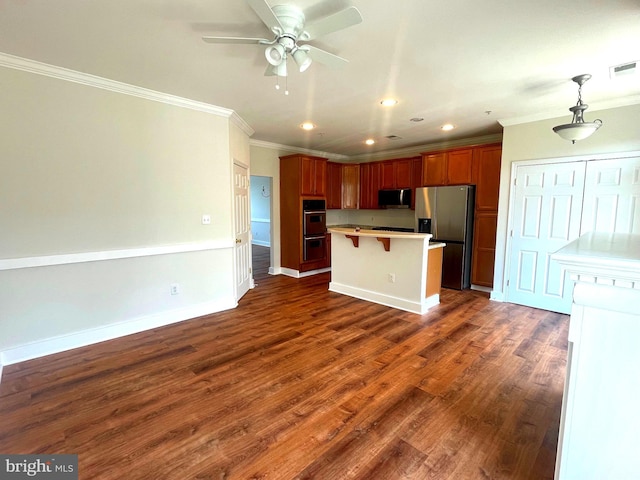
(395, 198)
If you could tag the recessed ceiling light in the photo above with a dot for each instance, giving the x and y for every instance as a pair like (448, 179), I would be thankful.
(369, 141)
(447, 126)
(388, 102)
(307, 126)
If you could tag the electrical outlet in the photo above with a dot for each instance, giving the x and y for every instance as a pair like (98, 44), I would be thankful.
(206, 219)
(392, 278)
(175, 288)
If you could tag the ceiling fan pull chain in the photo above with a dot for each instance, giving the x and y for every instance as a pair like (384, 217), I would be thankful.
(286, 85)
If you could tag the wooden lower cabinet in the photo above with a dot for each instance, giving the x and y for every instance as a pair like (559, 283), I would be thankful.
(484, 249)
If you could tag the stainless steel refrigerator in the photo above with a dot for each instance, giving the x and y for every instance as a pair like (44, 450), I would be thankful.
(447, 213)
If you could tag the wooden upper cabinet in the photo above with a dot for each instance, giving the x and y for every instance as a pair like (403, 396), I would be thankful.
(459, 164)
(397, 173)
(388, 178)
(403, 170)
(350, 186)
(313, 176)
(370, 182)
(453, 167)
(334, 185)
(486, 176)
(434, 169)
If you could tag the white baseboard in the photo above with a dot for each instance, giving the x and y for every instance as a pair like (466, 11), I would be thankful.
(496, 296)
(480, 288)
(389, 301)
(289, 272)
(262, 243)
(62, 343)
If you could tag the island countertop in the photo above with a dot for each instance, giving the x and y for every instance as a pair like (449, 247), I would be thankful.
(361, 232)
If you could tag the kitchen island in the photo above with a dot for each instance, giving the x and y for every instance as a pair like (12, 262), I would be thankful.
(398, 269)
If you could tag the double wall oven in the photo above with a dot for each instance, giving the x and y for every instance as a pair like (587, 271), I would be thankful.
(314, 230)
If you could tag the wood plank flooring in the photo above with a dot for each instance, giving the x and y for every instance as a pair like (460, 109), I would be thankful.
(300, 383)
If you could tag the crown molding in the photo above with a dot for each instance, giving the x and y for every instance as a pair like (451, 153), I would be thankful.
(593, 107)
(428, 147)
(61, 73)
(384, 155)
(288, 148)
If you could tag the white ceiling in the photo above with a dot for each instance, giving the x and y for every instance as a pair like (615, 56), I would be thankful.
(446, 61)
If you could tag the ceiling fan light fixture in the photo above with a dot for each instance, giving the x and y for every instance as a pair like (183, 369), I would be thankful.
(578, 129)
(275, 54)
(302, 59)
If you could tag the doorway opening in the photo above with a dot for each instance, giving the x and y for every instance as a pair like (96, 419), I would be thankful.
(261, 201)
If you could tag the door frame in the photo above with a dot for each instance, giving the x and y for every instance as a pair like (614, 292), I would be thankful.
(511, 201)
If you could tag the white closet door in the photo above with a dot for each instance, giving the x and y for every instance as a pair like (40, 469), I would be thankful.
(242, 224)
(612, 196)
(546, 216)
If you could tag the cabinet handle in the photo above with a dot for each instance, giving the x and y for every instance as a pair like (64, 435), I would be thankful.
(238, 240)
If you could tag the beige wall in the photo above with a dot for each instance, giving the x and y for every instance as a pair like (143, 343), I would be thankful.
(536, 141)
(87, 171)
(265, 162)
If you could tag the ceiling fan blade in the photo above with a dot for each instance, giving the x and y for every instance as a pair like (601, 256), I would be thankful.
(324, 57)
(234, 40)
(342, 19)
(262, 8)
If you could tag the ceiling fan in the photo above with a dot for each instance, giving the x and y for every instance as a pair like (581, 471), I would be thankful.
(287, 23)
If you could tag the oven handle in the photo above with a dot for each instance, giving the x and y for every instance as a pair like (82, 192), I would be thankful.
(314, 212)
(315, 237)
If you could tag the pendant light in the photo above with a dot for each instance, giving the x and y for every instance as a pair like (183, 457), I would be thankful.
(578, 129)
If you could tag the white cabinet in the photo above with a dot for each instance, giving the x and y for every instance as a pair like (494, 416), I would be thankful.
(600, 425)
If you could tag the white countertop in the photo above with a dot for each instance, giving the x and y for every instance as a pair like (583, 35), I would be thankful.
(379, 233)
(613, 255)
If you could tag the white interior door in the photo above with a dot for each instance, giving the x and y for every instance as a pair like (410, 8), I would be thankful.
(612, 196)
(546, 216)
(242, 221)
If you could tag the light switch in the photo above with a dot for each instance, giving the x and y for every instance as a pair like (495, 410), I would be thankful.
(206, 219)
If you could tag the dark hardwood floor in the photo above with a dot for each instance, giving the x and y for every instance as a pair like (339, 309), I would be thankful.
(298, 382)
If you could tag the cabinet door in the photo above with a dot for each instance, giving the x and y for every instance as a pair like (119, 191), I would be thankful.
(484, 249)
(459, 166)
(320, 177)
(434, 169)
(365, 180)
(334, 185)
(369, 185)
(486, 176)
(388, 175)
(402, 170)
(350, 186)
(307, 176)
(416, 178)
(313, 176)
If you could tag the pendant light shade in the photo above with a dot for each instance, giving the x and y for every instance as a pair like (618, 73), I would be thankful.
(578, 129)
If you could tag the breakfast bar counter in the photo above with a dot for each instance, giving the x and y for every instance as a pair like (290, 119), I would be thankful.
(398, 269)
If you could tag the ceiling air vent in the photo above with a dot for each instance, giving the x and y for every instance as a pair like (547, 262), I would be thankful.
(625, 69)
(393, 137)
